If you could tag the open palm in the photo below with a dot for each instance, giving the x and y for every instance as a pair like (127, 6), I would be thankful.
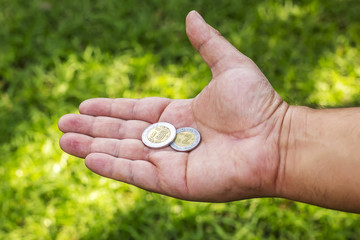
(238, 115)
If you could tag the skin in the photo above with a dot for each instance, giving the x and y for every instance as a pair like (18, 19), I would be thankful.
(250, 136)
(321, 157)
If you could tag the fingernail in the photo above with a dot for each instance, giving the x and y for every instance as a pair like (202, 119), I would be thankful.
(200, 17)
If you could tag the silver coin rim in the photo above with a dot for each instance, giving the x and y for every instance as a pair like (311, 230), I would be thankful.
(190, 147)
(171, 138)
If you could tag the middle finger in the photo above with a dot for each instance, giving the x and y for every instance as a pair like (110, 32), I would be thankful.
(104, 127)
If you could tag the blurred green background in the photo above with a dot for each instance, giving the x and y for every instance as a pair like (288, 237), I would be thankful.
(55, 54)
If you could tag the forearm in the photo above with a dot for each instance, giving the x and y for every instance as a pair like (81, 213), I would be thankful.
(320, 157)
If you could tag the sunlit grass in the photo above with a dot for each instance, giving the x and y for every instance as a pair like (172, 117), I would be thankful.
(337, 78)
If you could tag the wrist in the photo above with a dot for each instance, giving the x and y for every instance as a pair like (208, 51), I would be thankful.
(291, 140)
(319, 157)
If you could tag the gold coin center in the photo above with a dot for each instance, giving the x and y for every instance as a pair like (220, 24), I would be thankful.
(185, 138)
(159, 134)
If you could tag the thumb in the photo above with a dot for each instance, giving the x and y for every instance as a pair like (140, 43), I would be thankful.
(216, 51)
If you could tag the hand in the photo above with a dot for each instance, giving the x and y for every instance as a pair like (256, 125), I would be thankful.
(238, 115)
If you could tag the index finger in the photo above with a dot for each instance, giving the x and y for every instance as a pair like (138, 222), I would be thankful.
(145, 109)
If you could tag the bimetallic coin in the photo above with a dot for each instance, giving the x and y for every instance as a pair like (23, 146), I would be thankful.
(186, 139)
(159, 135)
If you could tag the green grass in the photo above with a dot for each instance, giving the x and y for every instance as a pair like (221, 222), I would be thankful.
(55, 54)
